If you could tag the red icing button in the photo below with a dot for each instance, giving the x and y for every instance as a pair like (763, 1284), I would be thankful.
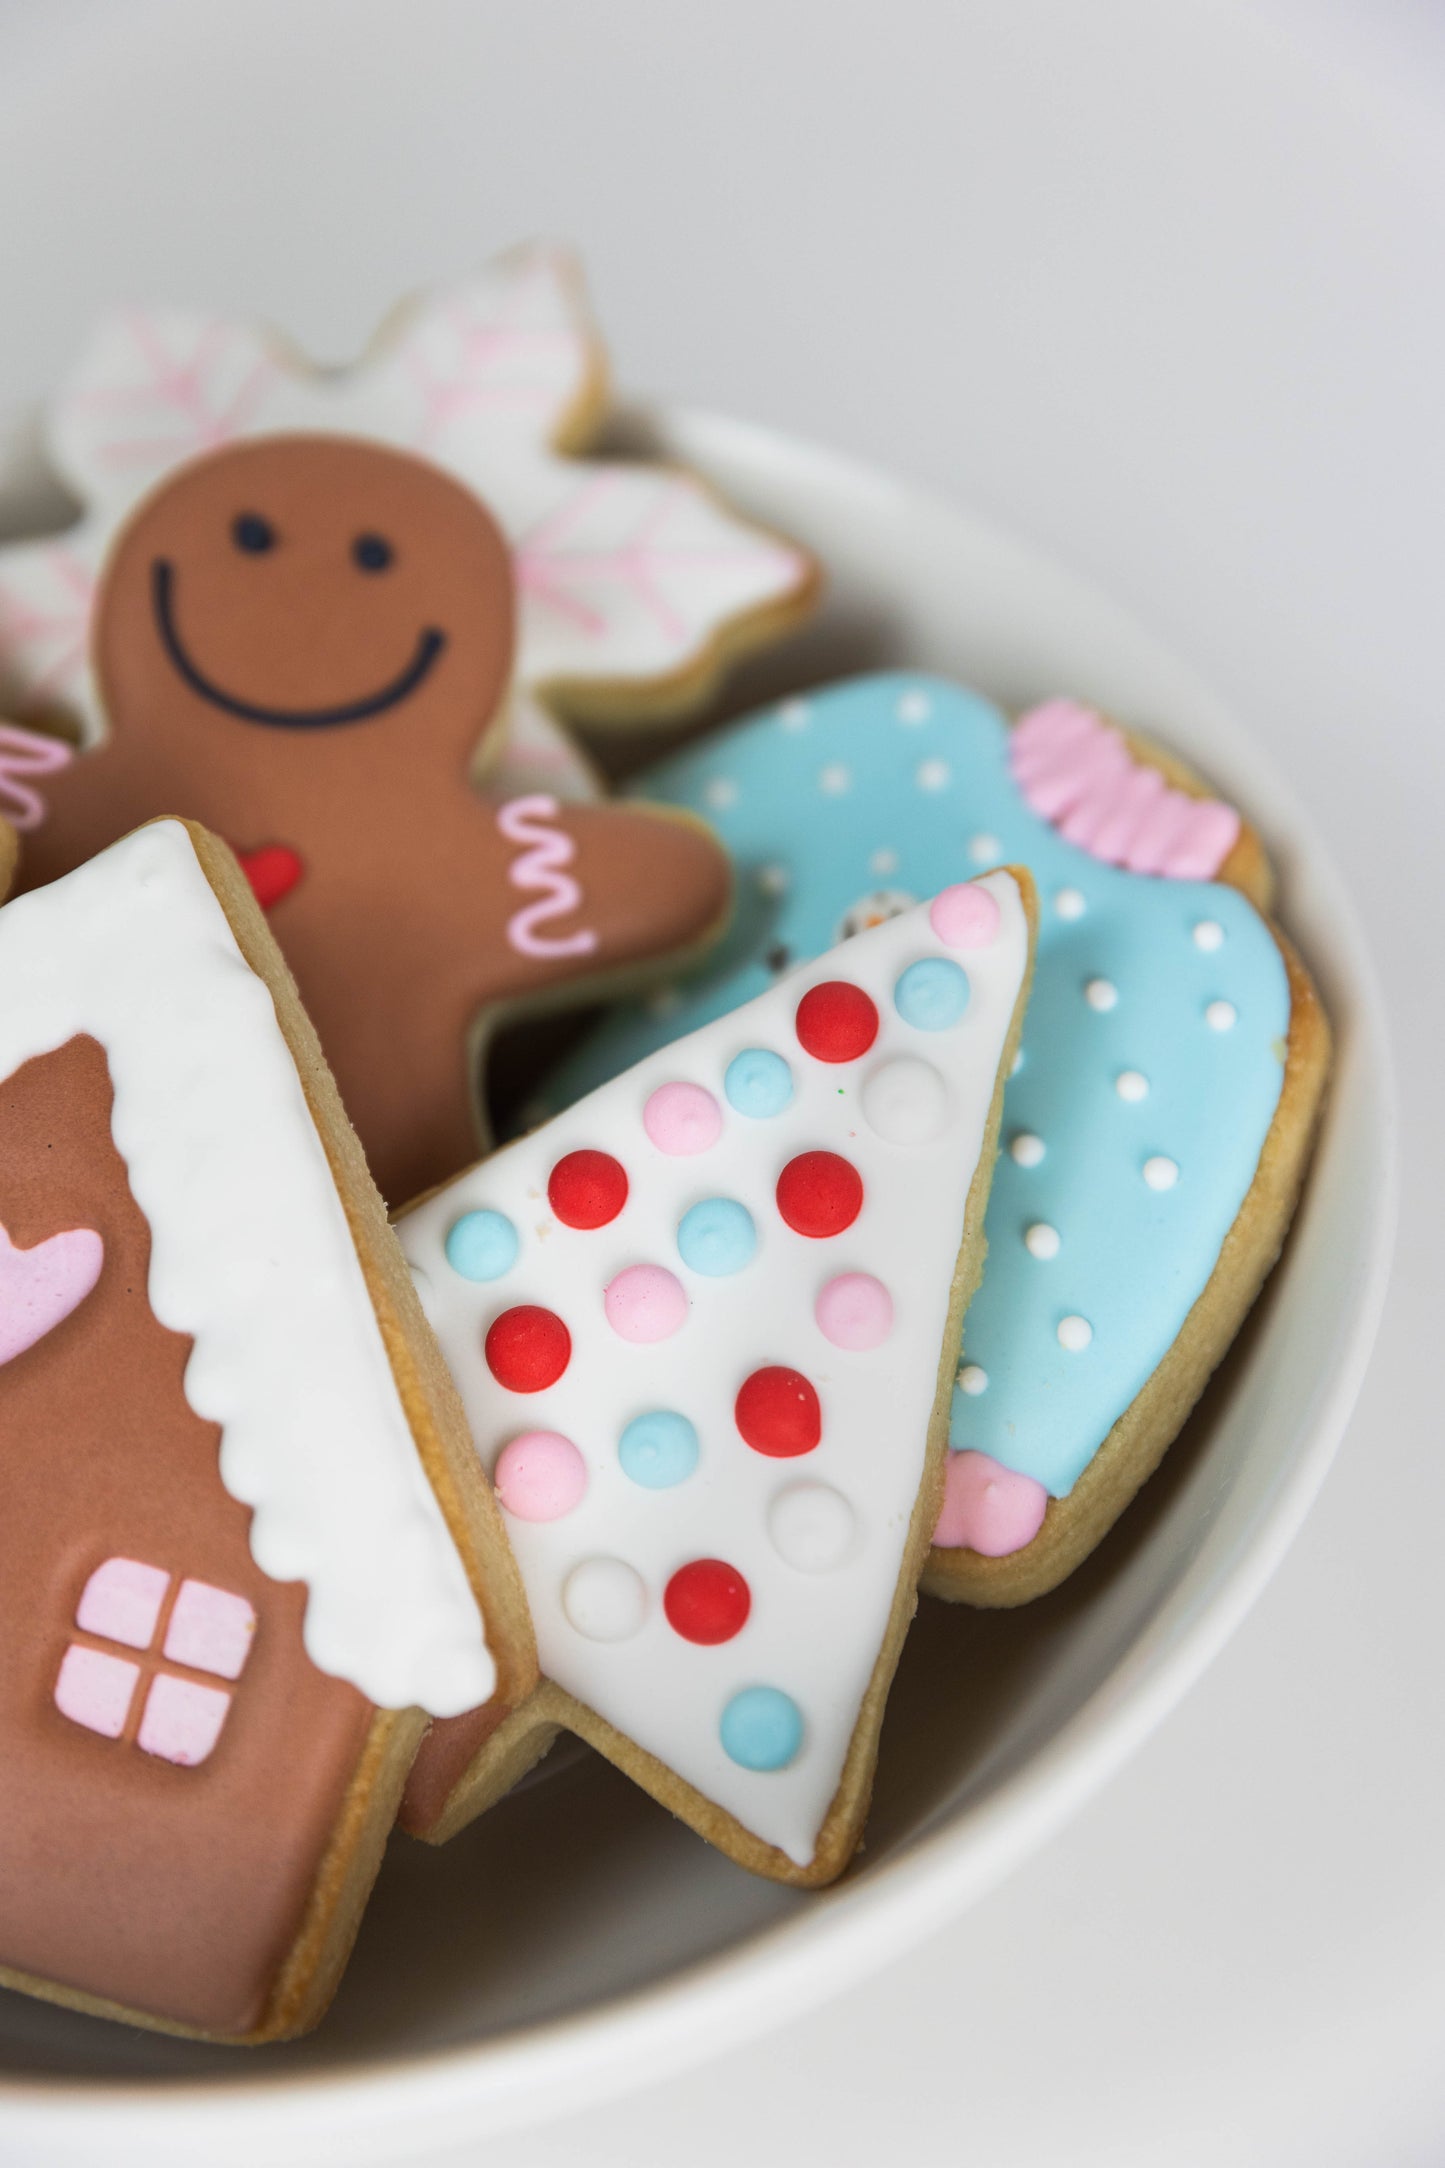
(272, 871)
(819, 1194)
(836, 1021)
(777, 1413)
(587, 1189)
(707, 1601)
(528, 1348)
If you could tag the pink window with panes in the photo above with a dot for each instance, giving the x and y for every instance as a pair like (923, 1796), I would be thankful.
(155, 1701)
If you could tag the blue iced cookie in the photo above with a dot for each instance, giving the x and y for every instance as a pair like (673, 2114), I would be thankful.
(1164, 1016)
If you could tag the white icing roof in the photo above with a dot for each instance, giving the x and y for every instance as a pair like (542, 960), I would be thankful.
(252, 1258)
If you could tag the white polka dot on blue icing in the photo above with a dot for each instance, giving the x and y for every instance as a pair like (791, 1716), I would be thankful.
(658, 1449)
(762, 1728)
(932, 994)
(758, 1083)
(717, 1237)
(482, 1245)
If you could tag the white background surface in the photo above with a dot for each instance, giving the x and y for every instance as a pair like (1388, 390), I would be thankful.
(1160, 288)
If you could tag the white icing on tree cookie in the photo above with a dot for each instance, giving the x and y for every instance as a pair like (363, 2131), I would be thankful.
(697, 1322)
(627, 574)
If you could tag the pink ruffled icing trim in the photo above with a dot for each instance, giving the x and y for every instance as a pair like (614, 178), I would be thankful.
(23, 754)
(1077, 772)
(988, 1508)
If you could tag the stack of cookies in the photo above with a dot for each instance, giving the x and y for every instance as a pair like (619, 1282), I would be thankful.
(951, 1095)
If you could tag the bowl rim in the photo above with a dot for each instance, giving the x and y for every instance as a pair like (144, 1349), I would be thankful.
(558, 2065)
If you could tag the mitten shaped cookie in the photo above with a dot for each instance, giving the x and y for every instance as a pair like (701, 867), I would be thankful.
(705, 1328)
(1158, 1126)
(245, 1550)
(301, 643)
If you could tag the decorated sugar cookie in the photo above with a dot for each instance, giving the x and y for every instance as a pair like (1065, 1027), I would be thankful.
(634, 584)
(300, 641)
(244, 1550)
(1157, 1127)
(704, 1327)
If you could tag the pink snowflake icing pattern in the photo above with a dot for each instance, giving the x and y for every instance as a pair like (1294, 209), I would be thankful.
(625, 572)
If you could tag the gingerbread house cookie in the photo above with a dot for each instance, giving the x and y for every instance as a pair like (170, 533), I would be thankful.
(244, 1551)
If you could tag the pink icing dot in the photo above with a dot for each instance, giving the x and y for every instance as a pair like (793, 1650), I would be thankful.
(682, 1118)
(965, 916)
(854, 1311)
(988, 1508)
(540, 1476)
(646, 1302)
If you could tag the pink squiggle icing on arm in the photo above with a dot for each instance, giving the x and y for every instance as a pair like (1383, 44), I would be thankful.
(1076, 772)
(24, 753)
(523, 821)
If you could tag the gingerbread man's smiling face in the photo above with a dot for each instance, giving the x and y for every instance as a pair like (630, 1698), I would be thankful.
(304, 584)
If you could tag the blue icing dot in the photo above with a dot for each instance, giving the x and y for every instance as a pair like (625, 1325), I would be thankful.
(758, 1083)
(717, 1237)
(482, 1245)
(1137, 1258)
(658, 1449)
(933, 994)
(761, 1728)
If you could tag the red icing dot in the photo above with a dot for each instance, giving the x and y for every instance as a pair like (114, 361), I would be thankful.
(819, 1194)
(836, 1021)
(777, 1413)
(528, 1348)
(587, 1189)
(707, 1601)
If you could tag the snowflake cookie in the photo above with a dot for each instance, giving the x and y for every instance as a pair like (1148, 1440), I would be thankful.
(704, 1327)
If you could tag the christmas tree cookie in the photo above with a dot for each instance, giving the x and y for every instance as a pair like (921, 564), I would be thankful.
(704, 1326)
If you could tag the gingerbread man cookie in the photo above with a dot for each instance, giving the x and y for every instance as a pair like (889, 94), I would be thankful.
(704, 1326)
(301, 641)
(245, 1552)
(1159, 1124)
(635, 584)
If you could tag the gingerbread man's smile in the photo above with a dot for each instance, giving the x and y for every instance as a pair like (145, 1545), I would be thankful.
(429, 645)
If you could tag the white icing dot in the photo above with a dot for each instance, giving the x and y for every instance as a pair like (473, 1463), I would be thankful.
(883, 862)
(1161, 1173)
(663, 1001)
(1017, 1063)
(1069, 903)
(973, 1380)
(933, 775)
(1132, 1084)
(721, 792)
(1027, 1149)
(834, 779)
(1075, 1333)
(604, 1600)
(1101, 994)
(1221, 1016)
(1042, 1241)
(984, 850)
(914, 707)
(773, 880)
(1208, 935)
(906, 1102)
(812, 1526)
(793, 715)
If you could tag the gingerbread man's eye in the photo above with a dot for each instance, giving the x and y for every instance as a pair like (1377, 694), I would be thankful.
(250, 532)
(372, 552)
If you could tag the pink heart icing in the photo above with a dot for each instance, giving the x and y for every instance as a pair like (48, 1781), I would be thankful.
(40, 1287)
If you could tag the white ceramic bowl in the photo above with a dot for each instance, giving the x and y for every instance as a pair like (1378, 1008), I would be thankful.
(578, 1941)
